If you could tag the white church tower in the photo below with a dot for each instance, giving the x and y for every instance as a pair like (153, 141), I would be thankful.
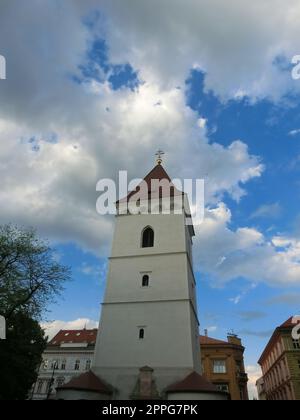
(148, 339)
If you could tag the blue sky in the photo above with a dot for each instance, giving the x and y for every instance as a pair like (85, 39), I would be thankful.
(98, 87)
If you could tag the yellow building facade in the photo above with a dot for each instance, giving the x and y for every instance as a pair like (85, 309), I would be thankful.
(223, 365)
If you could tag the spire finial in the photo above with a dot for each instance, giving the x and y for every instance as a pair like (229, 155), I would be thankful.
(159, 154)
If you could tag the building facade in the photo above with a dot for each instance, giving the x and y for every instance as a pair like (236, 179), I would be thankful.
(223, 365)
(280, 364)
(68, 354)
(148, 346)
(261, 389)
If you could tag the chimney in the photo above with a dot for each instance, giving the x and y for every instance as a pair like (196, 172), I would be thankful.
(206, 332)
(234, 339)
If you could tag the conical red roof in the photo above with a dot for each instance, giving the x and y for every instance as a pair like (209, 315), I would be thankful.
(87, 382)
(193, 383)
(158, 173)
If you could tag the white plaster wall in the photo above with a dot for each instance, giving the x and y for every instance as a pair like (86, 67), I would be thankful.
(69, 394)
(164, 309)
(168, 278)
(169, 234)
(167, 341)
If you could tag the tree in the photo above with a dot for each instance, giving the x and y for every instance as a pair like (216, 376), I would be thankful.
(20, 355)
(30, 278)
(29, 275)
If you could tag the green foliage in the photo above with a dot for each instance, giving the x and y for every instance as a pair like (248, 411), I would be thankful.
(20, 356)
(30, 278)
(29, 275)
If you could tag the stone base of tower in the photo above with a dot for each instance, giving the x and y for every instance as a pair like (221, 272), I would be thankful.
(125, 380)
(145, 384)
(158, 384)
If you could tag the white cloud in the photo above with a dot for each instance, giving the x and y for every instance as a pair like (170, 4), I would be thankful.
(52, 328)
(294, 132)
(244, 252)
(54, 188)
(272, 211)
(254, 373)
(212, 328)
(100, 131)
(236, 299)
(237, 44)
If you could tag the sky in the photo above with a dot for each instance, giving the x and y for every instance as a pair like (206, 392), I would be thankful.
(96, 87)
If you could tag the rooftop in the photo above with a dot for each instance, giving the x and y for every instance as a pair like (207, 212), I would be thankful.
(158, 173)
(193, 383)
(87, 382)
(285, 326)
(74, 337)
(205, 340)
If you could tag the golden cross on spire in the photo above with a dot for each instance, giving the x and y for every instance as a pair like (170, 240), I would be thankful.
(159, 154)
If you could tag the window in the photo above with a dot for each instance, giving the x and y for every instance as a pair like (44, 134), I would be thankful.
(219, 366)
(296, 344)
(239, 365)
(141, 333)
(60, 381)
(147, 238)
(54, 365)
(77, 365)
(88, 365)
(48, 388)
(145, 280)
(222, 387)
(63, 364)
(40, 386)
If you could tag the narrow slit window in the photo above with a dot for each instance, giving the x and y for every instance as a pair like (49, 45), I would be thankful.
(145, 280)
(141, 333)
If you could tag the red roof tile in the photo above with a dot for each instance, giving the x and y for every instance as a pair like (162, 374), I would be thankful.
(192, 383)
(87, 382)
(157, 173)
(288, 323)
(74, 336)
(204, 340)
